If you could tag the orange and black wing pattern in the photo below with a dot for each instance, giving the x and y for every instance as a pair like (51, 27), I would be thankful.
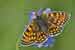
(56, 21)
(33, 34)
(43, 26)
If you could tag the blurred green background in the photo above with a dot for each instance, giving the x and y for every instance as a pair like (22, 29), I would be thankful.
(14, 15)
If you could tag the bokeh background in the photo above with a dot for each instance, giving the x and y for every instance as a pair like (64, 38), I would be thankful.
(14, 16)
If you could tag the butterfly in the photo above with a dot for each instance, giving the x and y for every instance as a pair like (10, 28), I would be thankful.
(44, 24)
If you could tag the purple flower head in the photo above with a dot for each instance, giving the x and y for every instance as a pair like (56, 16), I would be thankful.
(39, 13)
(50, 42)
(32, 15)
(48, 10)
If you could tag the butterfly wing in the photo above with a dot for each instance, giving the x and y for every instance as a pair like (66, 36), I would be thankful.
(33, 34)
(27, 38)
(55, 22)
